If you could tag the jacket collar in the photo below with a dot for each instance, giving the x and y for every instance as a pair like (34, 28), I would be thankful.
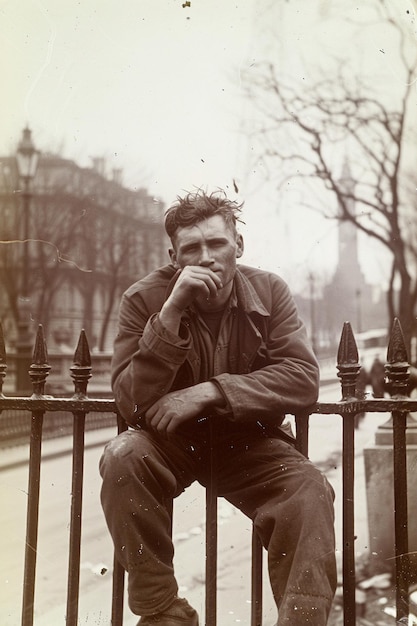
(247, 296)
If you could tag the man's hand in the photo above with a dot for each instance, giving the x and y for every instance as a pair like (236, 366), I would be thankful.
(194, 282)
(178, 407)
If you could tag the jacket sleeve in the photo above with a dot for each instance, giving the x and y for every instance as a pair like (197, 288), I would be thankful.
(289, 379)
(146, 359)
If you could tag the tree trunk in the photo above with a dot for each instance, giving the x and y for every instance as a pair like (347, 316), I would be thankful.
(110, 296)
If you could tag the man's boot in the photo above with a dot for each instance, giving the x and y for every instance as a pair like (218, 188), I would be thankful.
(180, 613)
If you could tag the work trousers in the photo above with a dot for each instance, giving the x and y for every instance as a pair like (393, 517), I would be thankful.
(289, 501)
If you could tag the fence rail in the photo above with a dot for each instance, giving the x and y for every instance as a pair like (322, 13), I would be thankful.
(79, 405)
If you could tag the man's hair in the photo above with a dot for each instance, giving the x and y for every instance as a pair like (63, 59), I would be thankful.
(197, 206)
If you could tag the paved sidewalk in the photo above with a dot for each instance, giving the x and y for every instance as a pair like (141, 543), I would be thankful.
(14, 456)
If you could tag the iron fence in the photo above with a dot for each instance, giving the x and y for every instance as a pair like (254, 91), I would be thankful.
(399, 405)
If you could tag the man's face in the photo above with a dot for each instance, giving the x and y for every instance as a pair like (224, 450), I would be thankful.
(210, 243)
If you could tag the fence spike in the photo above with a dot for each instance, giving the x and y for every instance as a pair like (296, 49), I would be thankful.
(3, 364)
(348, 351)
(397, 366)
(397, 351)
(81, 368)
(40, 368)
(347, 362)
(40, 352)
(82, 355)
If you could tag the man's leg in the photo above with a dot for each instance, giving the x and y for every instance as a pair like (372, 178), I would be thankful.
(141, 475)
(291, 505)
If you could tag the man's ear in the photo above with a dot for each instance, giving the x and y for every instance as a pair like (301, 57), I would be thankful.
(240, 246)
(173, 257)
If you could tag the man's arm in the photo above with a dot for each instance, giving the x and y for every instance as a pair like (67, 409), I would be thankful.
(177, 407)
(149, 351)
(148, 356)
(289, 379)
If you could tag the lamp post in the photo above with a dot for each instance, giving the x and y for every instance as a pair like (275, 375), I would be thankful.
(27, 159)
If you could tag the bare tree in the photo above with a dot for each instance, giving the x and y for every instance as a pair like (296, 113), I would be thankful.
(306, 132)
(58, 258)
(117, 272)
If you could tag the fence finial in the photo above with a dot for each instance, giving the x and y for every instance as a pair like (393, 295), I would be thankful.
(40, 367)
(81, 369)
(397, 366)
(347, 362)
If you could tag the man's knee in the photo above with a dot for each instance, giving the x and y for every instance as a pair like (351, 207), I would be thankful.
(124, 451)
(317, 499)
(321, 491)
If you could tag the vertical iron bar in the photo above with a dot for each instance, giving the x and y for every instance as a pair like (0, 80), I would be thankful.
(117, 593)
(80, 373)
(256, 581)
(348, 366)
(402, 565)
(349, 581)
(75, 523)
(38, 373)
(211, 555)
(118, 587)
(32, 518)
(302, 421)
(211, 533)
(397, 371)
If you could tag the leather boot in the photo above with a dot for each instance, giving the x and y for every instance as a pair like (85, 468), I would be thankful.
(180, 613)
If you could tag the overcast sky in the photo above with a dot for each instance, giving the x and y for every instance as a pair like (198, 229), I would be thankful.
(154, 87)
(149, 84)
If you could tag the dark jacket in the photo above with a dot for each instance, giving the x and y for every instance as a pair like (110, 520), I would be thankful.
(274, 372)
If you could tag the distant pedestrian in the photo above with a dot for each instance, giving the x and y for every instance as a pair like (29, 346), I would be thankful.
(377, 377)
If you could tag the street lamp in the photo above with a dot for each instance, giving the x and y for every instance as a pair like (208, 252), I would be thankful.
(27, 159)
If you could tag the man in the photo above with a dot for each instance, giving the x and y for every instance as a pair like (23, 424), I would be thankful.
(211, 354)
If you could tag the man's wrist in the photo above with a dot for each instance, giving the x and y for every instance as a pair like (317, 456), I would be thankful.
(211, 396)
(170, 317)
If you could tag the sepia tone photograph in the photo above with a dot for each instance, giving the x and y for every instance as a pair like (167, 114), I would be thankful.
(208, 313)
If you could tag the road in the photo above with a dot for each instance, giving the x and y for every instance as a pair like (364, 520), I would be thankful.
(96, 557)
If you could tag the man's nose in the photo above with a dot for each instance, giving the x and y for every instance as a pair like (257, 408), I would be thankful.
(205, 256)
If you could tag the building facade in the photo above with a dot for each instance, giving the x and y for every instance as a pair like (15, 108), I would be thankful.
(74, 243)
